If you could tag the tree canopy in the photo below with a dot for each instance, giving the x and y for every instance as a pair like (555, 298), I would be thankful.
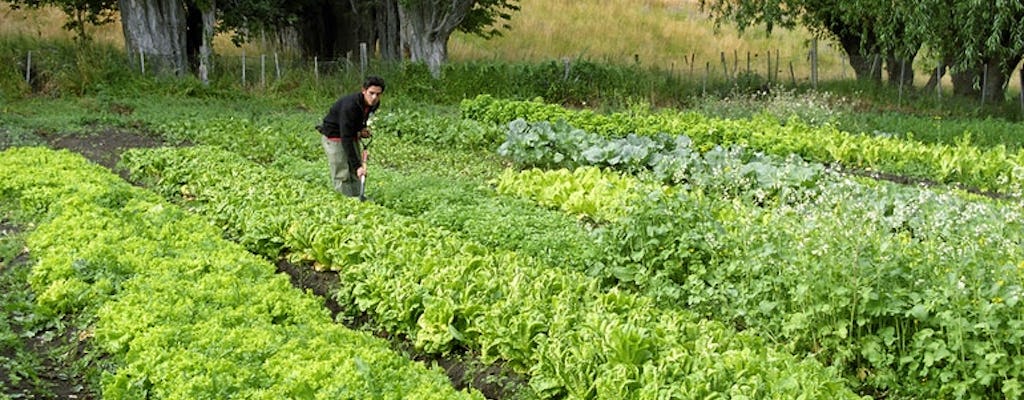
(980, 40)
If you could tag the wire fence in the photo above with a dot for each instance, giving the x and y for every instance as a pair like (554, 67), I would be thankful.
(771, 67)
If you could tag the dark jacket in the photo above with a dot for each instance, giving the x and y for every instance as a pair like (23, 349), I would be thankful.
(344, 120)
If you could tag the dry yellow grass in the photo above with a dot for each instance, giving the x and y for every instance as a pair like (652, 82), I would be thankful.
(659, 33)
(664, 34)
(48, 22)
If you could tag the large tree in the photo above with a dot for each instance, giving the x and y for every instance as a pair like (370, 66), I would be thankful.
(428, 24)
(154, 34)
(980, 41)
(865, 29)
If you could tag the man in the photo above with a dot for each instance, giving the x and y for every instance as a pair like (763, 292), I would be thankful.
(342, 128)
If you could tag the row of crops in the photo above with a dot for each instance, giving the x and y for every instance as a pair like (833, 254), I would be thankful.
(909, 292)
(622, 259)
(180, 312)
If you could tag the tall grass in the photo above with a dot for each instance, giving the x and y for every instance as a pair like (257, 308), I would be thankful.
(658, 33)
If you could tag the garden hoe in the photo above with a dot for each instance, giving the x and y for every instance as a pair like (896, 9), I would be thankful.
(362, 179)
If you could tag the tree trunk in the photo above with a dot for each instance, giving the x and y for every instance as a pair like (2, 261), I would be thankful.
(389, 36)
(978, 82)
(199, 37)
(867, 67)
(206, 48)
(155, 29)
(900, 69)
(936, 77)
(333, 29)
(426, 27)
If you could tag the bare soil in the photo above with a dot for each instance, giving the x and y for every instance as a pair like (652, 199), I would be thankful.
(39, 367)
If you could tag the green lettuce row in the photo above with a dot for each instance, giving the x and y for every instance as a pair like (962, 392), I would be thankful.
(460, 205)
(183, 313)
(572, 337)
(713, 290)
(910, 291)
(996, 169)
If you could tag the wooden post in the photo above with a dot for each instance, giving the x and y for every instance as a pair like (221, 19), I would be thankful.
(984, 83)
(875, 65)
(814, 63)
(1022, 89)
(842, 61)
(768, 71)
(792, 75)
(903, 69)
(725, 66)
(707, 71)
(316, 69)
(142, 60)
(693, 60)
(748, 62)
(243, 67)
(778, 60)
(362, 58)
(28, 69)
(277, 66)
(735, 63)
(566, 67)
(263, 70)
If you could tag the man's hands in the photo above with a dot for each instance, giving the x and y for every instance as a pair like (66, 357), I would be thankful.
(361, 172)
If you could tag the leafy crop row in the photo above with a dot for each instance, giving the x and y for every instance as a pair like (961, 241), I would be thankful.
(182, 313)
(912, 292)
(785, 274)
(672, 160)
(572, 337)
(995, 169)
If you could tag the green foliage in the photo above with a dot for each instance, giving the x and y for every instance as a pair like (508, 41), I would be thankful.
(181, 312)
(444, 292)
(993, 169)
(487, 18)
(874, 279)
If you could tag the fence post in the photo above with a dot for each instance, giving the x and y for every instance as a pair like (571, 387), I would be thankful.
(778, 60)
(316, 69)
(768, 71)
(735, 63)
(842, 65)
(814, 63)
(938, 81)
(263, 70)
(362, 58)
(277, 66)
(693, 60)
(984, 83)
(1022, 89)
(707, 71)
(28, 69)
(748, 62)
(792, 74)
(565, 68)
(243, 67)
(903, 68)
(142, 60)
(725, 66)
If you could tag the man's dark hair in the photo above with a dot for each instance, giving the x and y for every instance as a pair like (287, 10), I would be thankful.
(373, 81)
